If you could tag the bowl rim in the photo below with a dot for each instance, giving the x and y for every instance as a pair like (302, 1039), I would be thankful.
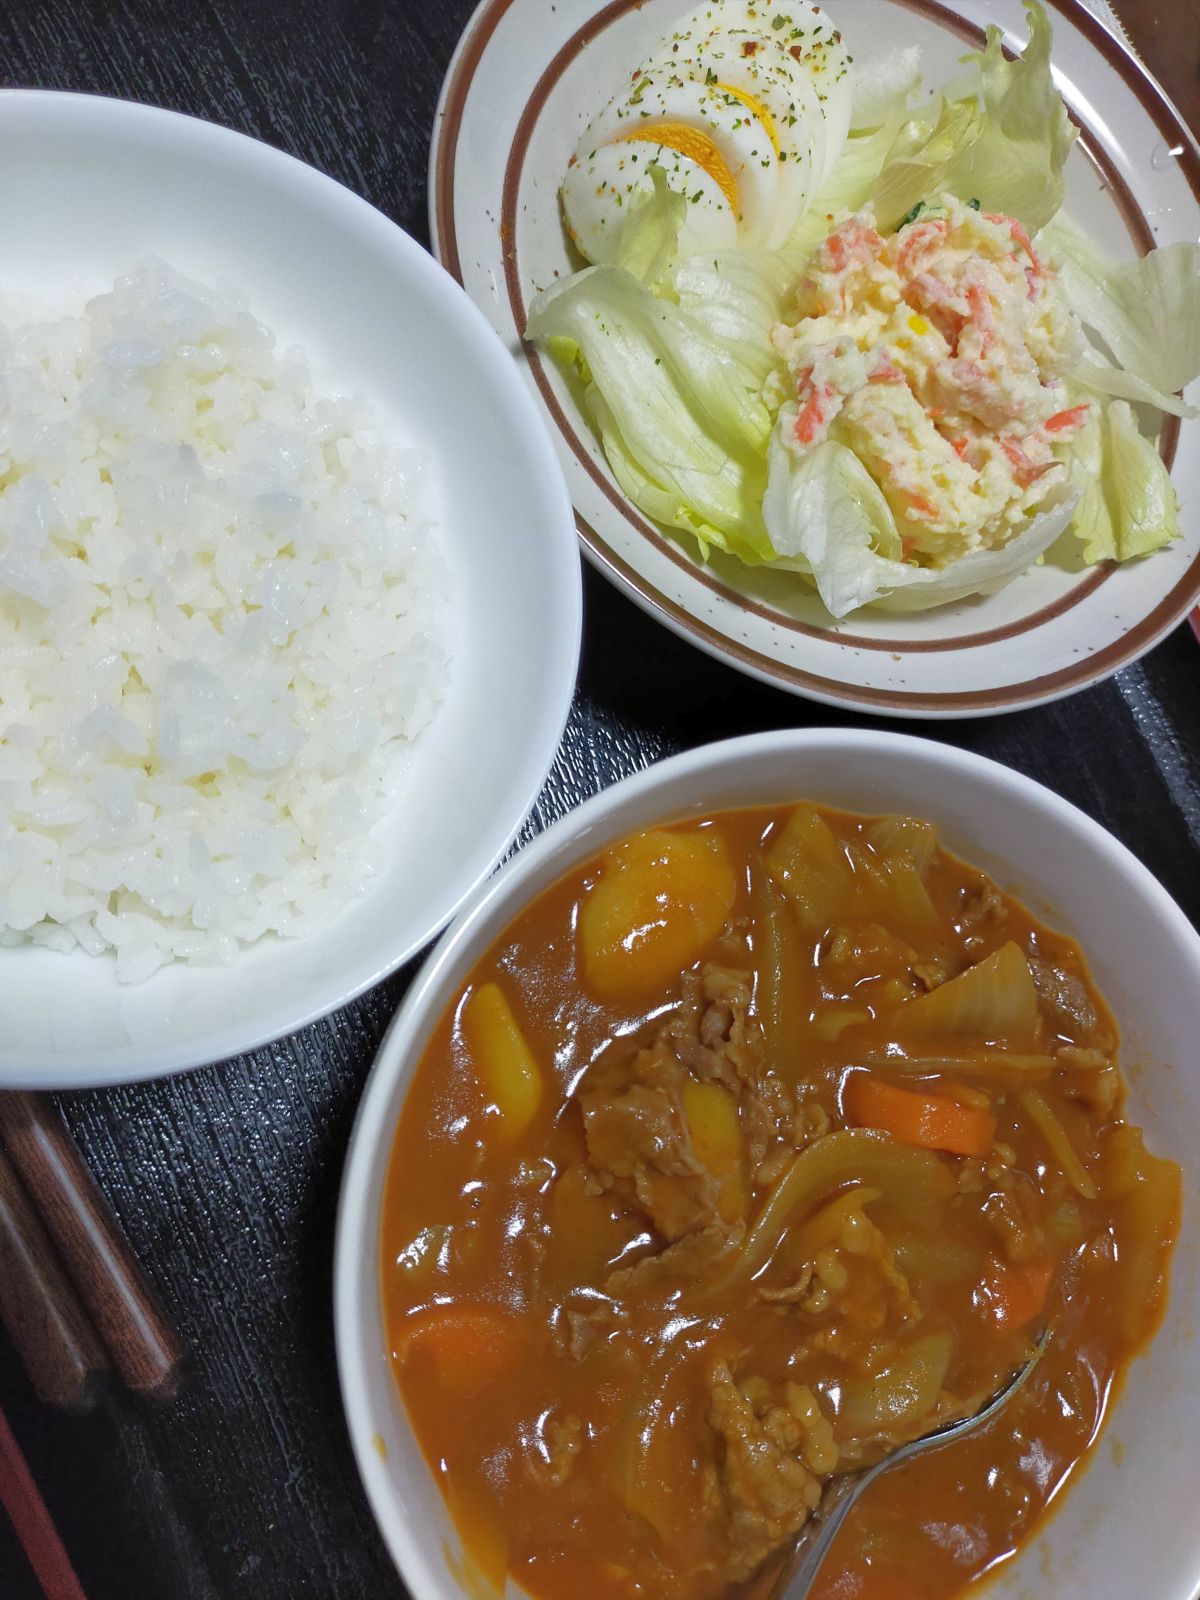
(314, 189)
(369, 1150)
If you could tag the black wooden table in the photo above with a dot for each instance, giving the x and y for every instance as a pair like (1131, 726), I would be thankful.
(226, 1180)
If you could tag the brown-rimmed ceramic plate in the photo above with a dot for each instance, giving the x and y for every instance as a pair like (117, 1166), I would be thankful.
(530, 74)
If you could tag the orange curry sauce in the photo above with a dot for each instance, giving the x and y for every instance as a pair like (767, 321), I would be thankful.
(579, 1332)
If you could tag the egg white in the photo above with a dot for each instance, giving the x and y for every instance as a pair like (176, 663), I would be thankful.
(817, 78)
(764, 84)
(605, 182)
(665, 96)
(786, 112)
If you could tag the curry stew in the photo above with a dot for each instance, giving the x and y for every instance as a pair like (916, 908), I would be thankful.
(754, 1147)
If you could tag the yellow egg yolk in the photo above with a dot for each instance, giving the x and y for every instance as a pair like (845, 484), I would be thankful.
(757, 109)
(693, 144)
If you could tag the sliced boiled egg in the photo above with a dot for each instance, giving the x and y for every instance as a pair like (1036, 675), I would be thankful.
(777, 94)
(603, 185)
(789, 57)
(693, 130)
(745, 107)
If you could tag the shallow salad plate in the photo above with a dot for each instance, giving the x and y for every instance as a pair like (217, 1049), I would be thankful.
(526, 80)
(87, 187)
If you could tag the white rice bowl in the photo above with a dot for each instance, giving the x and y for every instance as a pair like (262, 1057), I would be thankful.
(224, 616)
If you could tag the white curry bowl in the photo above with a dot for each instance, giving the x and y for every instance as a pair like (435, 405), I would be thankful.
(1127, 1524)
(90, 186)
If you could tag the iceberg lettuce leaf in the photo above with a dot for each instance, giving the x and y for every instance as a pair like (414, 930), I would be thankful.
(749, 542)
(922, 158)
(681, 413)
(1147, 312)
(1093, 523)
(1015, 162)
(738, 297)
(1143, 500)
(1001, 139)
(1099, 378)
(850, 186)
(884, 86)
(649, 239)
(827, 518)
(985, 571)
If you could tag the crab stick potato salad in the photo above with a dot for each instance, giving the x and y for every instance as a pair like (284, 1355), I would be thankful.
(939, 355)
(829, 332)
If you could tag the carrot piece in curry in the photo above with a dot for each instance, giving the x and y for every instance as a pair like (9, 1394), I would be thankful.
(929, 1121)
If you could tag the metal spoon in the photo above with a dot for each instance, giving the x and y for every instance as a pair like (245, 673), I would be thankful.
(796, 1578)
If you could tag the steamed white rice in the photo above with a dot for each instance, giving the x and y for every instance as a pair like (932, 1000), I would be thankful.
(223, 615)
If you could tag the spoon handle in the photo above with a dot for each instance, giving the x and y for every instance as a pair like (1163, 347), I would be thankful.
(797, 1577)
(798, 1572)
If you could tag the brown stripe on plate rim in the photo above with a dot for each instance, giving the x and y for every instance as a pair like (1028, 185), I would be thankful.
(1091, 666)
(459, 77)
(835, 690)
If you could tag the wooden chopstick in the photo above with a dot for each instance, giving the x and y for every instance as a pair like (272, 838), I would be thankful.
(32, 1522)
(124, 1308)
(57, 1344)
